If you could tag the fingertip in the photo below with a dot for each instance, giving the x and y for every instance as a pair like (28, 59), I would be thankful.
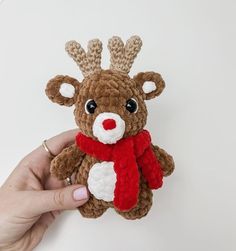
(57, 143)
(81, 194)
(66, 198)
(67, 136)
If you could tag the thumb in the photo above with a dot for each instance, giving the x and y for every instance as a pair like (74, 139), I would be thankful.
(69, 197)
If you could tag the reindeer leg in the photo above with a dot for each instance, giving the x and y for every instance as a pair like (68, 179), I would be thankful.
(94, 208)
(144, 203)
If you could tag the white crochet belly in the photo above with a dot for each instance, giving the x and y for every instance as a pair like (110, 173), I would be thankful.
(102, 180)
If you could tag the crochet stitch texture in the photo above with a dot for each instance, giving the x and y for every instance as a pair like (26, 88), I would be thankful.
(112, 155)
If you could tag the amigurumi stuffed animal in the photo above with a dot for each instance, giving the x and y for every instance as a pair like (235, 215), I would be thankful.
(112, 154)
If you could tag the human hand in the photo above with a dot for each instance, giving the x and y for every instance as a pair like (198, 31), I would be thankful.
(31, 198)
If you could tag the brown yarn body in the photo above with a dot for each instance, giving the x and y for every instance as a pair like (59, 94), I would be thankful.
(95, 208)
(72, 160)
(110, 89)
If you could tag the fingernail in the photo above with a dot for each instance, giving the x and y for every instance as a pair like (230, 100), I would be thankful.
(80, 193)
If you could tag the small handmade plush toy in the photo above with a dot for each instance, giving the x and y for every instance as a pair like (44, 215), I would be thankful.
(113, 154)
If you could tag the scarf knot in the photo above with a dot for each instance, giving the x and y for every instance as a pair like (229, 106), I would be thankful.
(128, 154)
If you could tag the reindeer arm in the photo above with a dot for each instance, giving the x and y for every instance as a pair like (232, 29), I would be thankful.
(65, 163)
(166, 161)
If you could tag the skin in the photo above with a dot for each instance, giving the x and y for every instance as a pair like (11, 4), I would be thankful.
(22, 225)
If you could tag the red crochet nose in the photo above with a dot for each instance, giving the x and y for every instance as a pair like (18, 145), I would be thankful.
(109, 124)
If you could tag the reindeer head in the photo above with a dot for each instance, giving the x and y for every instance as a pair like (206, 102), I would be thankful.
(109, 105)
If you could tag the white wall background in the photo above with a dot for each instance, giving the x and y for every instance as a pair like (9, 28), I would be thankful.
(192, 43)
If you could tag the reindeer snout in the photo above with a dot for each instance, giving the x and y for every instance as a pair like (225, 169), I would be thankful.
(109, 124)
(108, 127)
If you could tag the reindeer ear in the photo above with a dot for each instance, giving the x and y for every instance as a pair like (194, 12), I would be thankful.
(63, 90)
(150, 84)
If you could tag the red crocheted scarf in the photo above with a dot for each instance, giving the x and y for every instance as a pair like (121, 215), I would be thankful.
(128, 155)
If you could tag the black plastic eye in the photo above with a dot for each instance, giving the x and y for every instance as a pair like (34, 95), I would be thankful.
(90, 106)
(131, 105)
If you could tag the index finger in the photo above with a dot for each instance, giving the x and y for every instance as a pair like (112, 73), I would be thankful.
(39, 159)
(38, 162)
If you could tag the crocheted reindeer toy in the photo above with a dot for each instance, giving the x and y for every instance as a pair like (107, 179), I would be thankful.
(112, 154)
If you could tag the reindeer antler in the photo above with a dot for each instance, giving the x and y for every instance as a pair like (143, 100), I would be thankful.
(122, 57)
(89, 62)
